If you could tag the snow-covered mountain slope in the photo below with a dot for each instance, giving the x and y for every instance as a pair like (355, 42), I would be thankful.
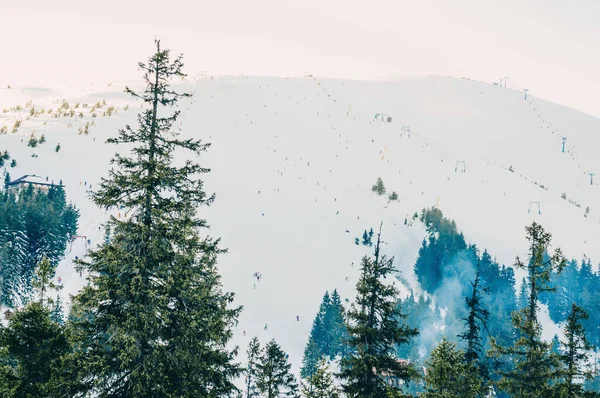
(293, 162)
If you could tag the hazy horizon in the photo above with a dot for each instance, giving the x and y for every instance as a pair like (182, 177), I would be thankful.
(545, 46)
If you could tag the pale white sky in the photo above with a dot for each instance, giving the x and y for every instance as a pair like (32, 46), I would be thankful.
(550, 46)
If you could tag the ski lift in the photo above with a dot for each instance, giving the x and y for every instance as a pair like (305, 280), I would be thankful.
(533, 205)
(78, 237)
(383, 117)
(462, 169)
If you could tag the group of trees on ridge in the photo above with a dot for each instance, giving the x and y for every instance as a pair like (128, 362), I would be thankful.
(33, 224)
(154, 320)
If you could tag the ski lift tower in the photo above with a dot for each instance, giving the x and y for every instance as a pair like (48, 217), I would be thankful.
(525, 91)
(564, 139)
(534, 204)
(460, 165)
(405, 129)
(591, 177)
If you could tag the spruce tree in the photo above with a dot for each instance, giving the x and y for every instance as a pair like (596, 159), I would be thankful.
(375, 332)
(450, 375)
(56, 313)
(574, 357)
(6, 180)
(475, 320)
(274, 377)
(30, 350)
(254, 355)
(42, 281)
(535, 368)
(379, 188)
(336, 327)
(13, 248)
(310, 360)
(321, 383)
(154, 320)
(319, 333)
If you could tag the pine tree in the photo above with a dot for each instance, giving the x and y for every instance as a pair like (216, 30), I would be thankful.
(523, 295)
(57, 311)
(30, 350)
(6, 180)
(574, 357)
(13, 247)
(535, 367)
(42, 282)
(321, 384)
(379, 188)
(254, 355)
(319, 333)
(336, 327)
(154, 320)
(449, 374)
(476, 319)
(374, 333)
(274, 377)
(310, 360)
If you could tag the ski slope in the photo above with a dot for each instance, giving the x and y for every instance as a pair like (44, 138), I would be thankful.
(293, 161)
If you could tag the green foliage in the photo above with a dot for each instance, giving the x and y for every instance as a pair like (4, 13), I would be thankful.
(379, 188)
(328, 336)
(57, 147)
(30, 351)
(393, 196)
(56, 313)
(274, 377)
(154, 320)
(3, 158)
(574, 357)
(13, 163)
(321, 383)
(375, 333)
(445, 259)
(449, 374)
(475, 321)
(367, 238)
(310, 360)
(33, 225)
(536, 368)
(42, 281)
(42, 139)
(32, 141)
(540, 266)
(254, 355)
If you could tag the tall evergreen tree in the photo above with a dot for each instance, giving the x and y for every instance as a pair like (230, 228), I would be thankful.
(375, 332)
(56, 313)
(31, 347)
(523, 295)
(274, 377)
(450, 375)
(321, 383)
(42, 282)
(154, 320)
(535, 366)
(254, 355)
(310, 360)
(335, 325)
(475, 320)
(30, 351)
(574, 357)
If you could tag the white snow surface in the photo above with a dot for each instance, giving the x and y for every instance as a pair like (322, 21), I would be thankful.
(312, 148)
